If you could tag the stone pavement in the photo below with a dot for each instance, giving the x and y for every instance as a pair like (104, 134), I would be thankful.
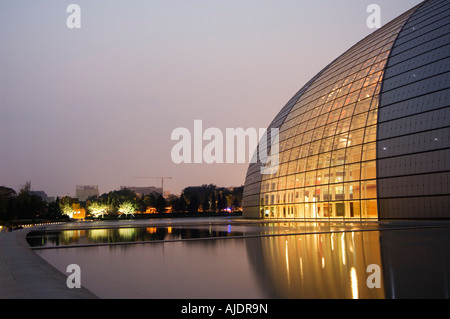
(25, 275)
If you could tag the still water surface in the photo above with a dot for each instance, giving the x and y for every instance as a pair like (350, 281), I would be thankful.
(232, 259)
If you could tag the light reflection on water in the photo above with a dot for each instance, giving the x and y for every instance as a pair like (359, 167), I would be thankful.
(122, 235)
(193, 269)
(414, 264)
(317, 265)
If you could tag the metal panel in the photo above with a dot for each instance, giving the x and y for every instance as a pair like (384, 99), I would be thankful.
(414, 119)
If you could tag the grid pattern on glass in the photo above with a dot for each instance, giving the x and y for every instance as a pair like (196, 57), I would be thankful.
(253, 178)
(328, 141)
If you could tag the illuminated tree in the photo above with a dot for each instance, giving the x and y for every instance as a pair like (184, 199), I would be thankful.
(68, 206)
(127, 208)
(66, 209)
(97, 209)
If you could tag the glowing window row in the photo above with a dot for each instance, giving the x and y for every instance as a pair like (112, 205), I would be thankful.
(332, 137)
(338, 174)
(363, 209)
(325, 193)
(344, 156)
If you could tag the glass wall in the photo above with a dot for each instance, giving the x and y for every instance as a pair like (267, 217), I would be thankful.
(327, 142)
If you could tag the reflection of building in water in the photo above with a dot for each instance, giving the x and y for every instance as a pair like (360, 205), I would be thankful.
(417, 263)
(368, 137)
(327, 265)
(413, 263)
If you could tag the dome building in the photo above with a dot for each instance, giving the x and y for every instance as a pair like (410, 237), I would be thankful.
(369, 136)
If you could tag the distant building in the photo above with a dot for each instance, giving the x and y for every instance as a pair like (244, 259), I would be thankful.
(43, 195)
(142, 191)
(83, 192)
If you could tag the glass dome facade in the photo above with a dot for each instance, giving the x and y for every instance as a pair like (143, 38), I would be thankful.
(345, 134)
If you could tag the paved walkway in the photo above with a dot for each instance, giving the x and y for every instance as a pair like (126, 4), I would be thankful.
(25, 275)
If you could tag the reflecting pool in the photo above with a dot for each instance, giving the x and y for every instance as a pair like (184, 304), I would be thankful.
(236, 259)
(108, 236)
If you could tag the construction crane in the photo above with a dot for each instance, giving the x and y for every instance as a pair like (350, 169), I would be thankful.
(161, 178)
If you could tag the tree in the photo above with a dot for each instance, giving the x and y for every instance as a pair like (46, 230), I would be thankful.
(54, 210)
(194, 203)
(235, 205)
(237, 195)
(66, 205)
(183, 203)
(27, 205)
(7, 196)
(160, 204)
(206, 204)
(97, 208)
(67, 209)
(179, 204)
(221, 202)
(26, 188)
(115, 198)
(127, 208)
(213, 202)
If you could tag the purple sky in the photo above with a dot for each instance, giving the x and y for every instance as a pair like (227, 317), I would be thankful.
(97, 105)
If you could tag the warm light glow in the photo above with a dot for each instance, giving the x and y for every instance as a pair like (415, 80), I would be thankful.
(327, 139)
(98, 209)
(287, 261)
(354, 281)
(126, 233)
(127, 208)
(98, 233)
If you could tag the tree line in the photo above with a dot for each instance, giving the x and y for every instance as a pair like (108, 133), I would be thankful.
(206, 198)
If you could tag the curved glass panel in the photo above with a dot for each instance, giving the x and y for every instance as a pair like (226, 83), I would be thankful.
(327, 142)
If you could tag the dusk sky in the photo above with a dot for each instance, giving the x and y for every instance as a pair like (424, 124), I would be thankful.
(97, 105)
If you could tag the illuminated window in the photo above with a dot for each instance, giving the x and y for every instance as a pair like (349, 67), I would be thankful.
(328, 141)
